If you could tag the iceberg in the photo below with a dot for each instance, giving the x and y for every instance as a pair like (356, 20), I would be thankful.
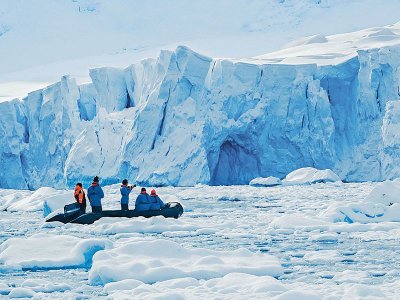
(269, 181)
(382, 204)
(310, 175)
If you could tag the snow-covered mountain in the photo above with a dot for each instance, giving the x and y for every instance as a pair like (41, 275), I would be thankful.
(42, 40)
(184, 118)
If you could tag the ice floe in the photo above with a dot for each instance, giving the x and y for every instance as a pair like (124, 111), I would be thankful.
(296, 220)
(160, 260)
(46, 251)
(381, 205)
(230, 286)
(142, 225)
(20, 292)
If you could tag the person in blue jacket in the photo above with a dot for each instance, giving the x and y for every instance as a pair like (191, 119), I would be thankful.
(95, 194)
(125, 191)
(155, 201)
(142, 201)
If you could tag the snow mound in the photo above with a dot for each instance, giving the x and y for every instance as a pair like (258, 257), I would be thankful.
(381, 205)
(46, 251)
(269, 181)
(160, 260)
(310, 175)
(157, 224)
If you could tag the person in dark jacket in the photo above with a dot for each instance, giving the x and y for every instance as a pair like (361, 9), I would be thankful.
(155, 201)
(80, 197)
(125, 191)
(142, 201)
(95, 194)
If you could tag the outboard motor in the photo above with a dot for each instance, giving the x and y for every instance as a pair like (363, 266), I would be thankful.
(71, 209)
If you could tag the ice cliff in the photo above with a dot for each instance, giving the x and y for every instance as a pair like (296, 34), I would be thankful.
(184, 118)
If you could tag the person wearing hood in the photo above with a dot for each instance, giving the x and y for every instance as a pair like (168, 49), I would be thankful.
(95, 194)
(155, 202)
(125, 191)
(142, 201)
(80, 197)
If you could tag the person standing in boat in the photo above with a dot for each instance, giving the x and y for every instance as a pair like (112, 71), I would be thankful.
(80, 198)
(155, 201)
(95, 194)
(142, 201)
(125, 191)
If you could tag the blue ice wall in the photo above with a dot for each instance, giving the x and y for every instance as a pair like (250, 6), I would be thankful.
(183, 119)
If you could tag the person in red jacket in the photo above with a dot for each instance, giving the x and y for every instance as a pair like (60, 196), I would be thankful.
(80, 197)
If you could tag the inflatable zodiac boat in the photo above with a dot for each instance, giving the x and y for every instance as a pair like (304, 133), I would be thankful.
(72, 214)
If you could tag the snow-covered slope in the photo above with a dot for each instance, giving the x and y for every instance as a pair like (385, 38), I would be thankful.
(42, 40)
(185, 118)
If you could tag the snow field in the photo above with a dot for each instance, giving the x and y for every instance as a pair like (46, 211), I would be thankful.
(129, 32)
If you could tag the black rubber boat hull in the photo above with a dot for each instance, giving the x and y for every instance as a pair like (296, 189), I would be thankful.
(172, 210)
(64, 218)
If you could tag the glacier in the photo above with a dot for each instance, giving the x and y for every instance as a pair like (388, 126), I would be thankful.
(183, 118)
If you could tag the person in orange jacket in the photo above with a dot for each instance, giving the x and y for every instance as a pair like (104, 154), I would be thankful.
(80, 197)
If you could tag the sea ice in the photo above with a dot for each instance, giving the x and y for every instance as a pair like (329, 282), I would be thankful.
(20, 292)
(230, 286)
(160, 260)
(381, 205)
(40, 285)
(48, 251)
(141, 225)
(34, 202)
